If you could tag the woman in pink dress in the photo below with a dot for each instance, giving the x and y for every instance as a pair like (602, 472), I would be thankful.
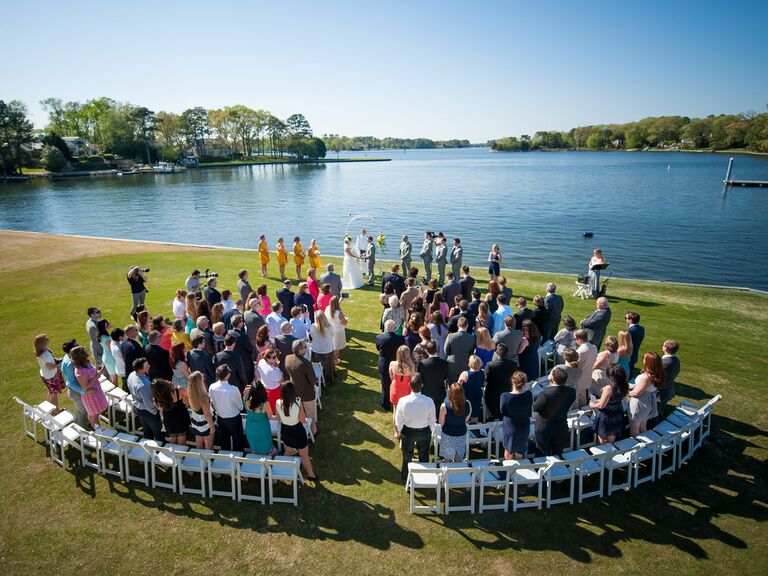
(93, 397)
(325, 297)
(266, 305)
(313, 287)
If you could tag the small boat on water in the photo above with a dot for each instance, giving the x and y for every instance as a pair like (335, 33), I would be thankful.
(167, 168)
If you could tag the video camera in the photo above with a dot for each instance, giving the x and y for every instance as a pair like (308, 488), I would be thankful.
(145, 270)
(208, 274)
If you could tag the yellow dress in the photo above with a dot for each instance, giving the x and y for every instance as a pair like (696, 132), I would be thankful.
(298, 254)
(282, 255)
(264, 252)
(314, 257)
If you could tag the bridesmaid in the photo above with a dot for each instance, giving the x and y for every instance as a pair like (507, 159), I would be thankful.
(494, 262)
(282, 257)
(263, 254)
(298, 256)
(314, 254)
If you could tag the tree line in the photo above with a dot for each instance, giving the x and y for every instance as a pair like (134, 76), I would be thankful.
(748, 130)
(338, 143)
(138, 133)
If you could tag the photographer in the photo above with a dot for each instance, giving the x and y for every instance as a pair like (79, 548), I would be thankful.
(193, 284)
(136, 278)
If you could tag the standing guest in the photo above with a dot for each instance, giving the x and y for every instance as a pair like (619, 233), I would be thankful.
(393, 276)
(439, 332)
(571, 366)
(552, 406)
(406, 248)
(258, 413)
(625, 350)
(298, 256)
(338, 324)
(451, 289)
(410, 295)
(387, 345)
(211, 294)
(528, 358)
(430, 292)
(173, 411)
(204, 309)
(284, 344)
(637, 332)
(144, 323)
(426, 256)
(166, 333)
(219, 332)
(287, 298)
(483, 317)
(384, 297)
(597, 322)
(325, 297)
(159, 360)
(232, 360)
(229, 315)
(454, 415)
(140, 389)
(463, 313)
(136, 278)
(498, 375)
(492, 295)
(92, 329)
(565, 337)
(243, 286)
(438, 305)
(671, 365)
(314, 255)
(502, 312)
(587, 356)
(419, 353)
(253, 320)
(454, 311)
(332, 279)
(441, 257)
(609, 422)
(456, 257)
(305, 301)
(265, 304)
(227, 402)
(540, 315)
(321, 335)
(554, 305)
(395, 312)
(217, 311)
(180, 367)
(271, 376)
(426, 336)
(300, 324)
(192, 284)
(515, 408)
(474, 304)
(467, 284)
(292, 431)
(608, 356)
(414, 423)
(411, 332)
(191, 312)
(485, 346)
(458, 348)
(107, 359)
(473, 382)
(180, 305)
(299, 370)
(116, 337)
(179, 334)
(93, 398)
(401, 370)
(49, 370)
(312, 286)
(504, 289)
(203, 328)
(512, 338)
(131, 350)
(494, 262)
(275, 320)
(263, 343)
(643, 395)
(523, 312)
(74, 390)
(597, 259)
(282, 257)
(263, 256)
(434, 374)
(417, 307)
(200, 413)
(227, 304)
(200, 360)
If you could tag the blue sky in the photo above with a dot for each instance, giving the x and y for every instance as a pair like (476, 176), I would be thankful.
(437, 69)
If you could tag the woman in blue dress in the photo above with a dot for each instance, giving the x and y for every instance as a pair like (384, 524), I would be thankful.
(494, 262)
(609, 424)
(529, 358)
(104, 327)
(473, 381)
(516, 409)
(454, 414)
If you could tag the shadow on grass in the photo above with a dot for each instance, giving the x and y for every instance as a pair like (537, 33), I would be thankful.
(613, 299)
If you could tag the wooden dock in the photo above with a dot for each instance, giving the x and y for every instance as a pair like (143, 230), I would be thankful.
(742, 183)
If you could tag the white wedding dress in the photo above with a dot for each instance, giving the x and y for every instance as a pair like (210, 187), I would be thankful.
(352, 277)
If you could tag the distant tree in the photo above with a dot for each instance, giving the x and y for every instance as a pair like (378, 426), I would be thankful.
(56, 114)
(297, 125)
(169, 128)
(53, 139)
(53, 160)
(195, 128)
(145, 125)
(15, 131)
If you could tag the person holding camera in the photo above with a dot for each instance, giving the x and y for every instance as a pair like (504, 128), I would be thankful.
(192, 284)
(136, 278)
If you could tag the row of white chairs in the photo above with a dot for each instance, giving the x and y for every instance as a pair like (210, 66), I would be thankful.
(114, 453)
(623, 465)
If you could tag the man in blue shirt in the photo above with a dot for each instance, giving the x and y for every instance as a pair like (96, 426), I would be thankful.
(73, 388)
(637, 333)
(144, 407)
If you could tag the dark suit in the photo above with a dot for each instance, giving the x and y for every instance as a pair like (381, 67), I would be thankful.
(552, 406)
(398, 282)
(245, 349)
(474, 307)
(671, 370)
(554, 305)
(284, 345)
(306, 300)
(288, 300)
(434, 377)
(387, 345)
(524, 314)
(159, 362)
(458, 348)
(540, 318)
(131, 350)
(232, 359)
(450, 291)
(201, 361)
(453, 323)
(498, 377)
(212, 295)
(637, 333)
(467, 284)
(227, 318)
(597, 323)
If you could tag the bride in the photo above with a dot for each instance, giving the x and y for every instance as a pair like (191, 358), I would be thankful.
(352, 277)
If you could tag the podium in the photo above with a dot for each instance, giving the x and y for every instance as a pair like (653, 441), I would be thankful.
(597, 269)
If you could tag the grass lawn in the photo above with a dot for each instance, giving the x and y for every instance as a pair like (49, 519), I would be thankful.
(708, 517)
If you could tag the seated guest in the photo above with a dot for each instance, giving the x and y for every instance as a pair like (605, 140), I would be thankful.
(258, 413)
(552, 406)
(299, 370)
(227, 402)
(434, 374)
(173, 411)
(473, 381)
(485, 347)
(292, 432)
(609, 422)
(597, 322)
(671, 364)
(515, 407)
(140, 389)
(498, 375)
(200, 413)
(643, 395)
(454, 414)
(271, 376)
(414, 423)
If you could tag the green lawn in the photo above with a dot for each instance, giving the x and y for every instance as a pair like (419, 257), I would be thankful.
(708, 517)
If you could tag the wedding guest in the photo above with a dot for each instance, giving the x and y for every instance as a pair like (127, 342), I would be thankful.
(463, 312)
(587, 356)
(554, 305)
(210, 293)
(401, 370)
(474, 304)
(284, 343)
(179, 334)
(92, 329)
(467, 283)
(411, 332)
(313, 287)
(263, 342)
(180, 305)
(144, 323)
(159, 360)
(230, 358)
(642, 395)
(410, 295)
(159, 325)
(625, 350)
(287, 298)
(485, 346)
(502, 311)
(434, 374)
(515, 409)
(282, 257)
(417, 307)
(93, 398)
(173, 411)
(564, 338)
(473, 382)
(529, 357)
(243, 286)
(180, 367)
(393, 276)
(217, 311)
(455, 412)
(227, 402)
(300, 323)
(494, 262)
(512, 338)
(292, 431)
(671, 365)
(451, 289)
(107, 359)
(637, 332)
(439, 332)
(540, 315)
(552, 406)
(299, 370)
(597, 322)
(395, 312)
(325, 297)
(266, 304)
(190, 306)
(321, 335)
(498, 375)
(271, 376)
(50, 373)
(492, 295)
(438, 305)
(253, 320)
(131, 349)
(298, 256)
(429, 293)
(609, 411)
(140, 389)
(258, 413)
(305, 301)
(275, 320)
(218, 334)
(200, 360)
(523, 312)
(571, 366)
(116, 338)
(506, 290)
(610, 355)
(458, 347)
(331, 278)
(414, 423)
(387, 345)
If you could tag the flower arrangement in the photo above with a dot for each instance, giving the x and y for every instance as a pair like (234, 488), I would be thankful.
(381, 240)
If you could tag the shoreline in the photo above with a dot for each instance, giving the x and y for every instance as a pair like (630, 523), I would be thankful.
(181, 245)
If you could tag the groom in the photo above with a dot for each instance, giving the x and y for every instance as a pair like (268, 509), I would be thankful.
(370, 259)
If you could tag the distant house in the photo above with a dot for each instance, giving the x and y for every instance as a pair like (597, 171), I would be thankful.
(80, 146)
(212, 148)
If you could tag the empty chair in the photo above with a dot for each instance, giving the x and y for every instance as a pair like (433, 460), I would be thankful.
(31, 415)
(193, 462)
(165, 458)
(496, 477)
(689, 409)
(581, 426)
(59, 434)
(527, 475)
(284, 469)
(644, 454)
(111, 445)
(318, 368)
(666, 447)
(680, 436)
(559, 470)
(251, 467)
(615, 461)
(423, 476)
(482, 435)
(138, 452)
(588, 465)
(222, 464)
(458, 476)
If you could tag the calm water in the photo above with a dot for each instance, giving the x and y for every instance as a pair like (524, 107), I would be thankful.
(656, 215)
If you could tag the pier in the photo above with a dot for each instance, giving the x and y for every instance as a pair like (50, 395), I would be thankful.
(742, 183)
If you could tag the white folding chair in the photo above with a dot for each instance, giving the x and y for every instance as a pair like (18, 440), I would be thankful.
(582, 291)
(615, 461)
(251, 467)
(665, 446)
(318, 368)
(424, 476)
(579, 421)
(318, 396)
(437, 436)
(480, 434)
(165, 458)
(547, 351)
(559, 470)
(497, 477)
(689, 408)
(105, 384)
(527, 474)
(645, 454)
(589, 465)
(458, 476)
(193, 462)
(138, 452)
(222, 463)
(115, 397)
(112, 445)
(679, 436)
(284, 469)
(59, 434)
(30, 415)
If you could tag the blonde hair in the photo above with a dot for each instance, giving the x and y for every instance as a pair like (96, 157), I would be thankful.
(519, 380)
(191, 302)
(321, 322)
(403, 359)
(475, 363)
(625, 339)
(41, 344)
(196, 391)
(484, 339)
(611, 344)
(219, 329)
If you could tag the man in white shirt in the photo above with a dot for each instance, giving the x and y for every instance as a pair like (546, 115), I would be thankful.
(275, 321)
(227, 402)
(361, 243)
(587, 356)
(414, 422)
(180, 305)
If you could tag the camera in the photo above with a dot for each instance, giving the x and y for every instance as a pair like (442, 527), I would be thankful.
(144, 270)
(208, 274)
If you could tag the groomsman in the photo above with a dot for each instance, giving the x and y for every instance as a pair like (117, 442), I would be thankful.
(441, 256)
(370, 259)
(426, 256)
(456, 256)
(405, 255)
